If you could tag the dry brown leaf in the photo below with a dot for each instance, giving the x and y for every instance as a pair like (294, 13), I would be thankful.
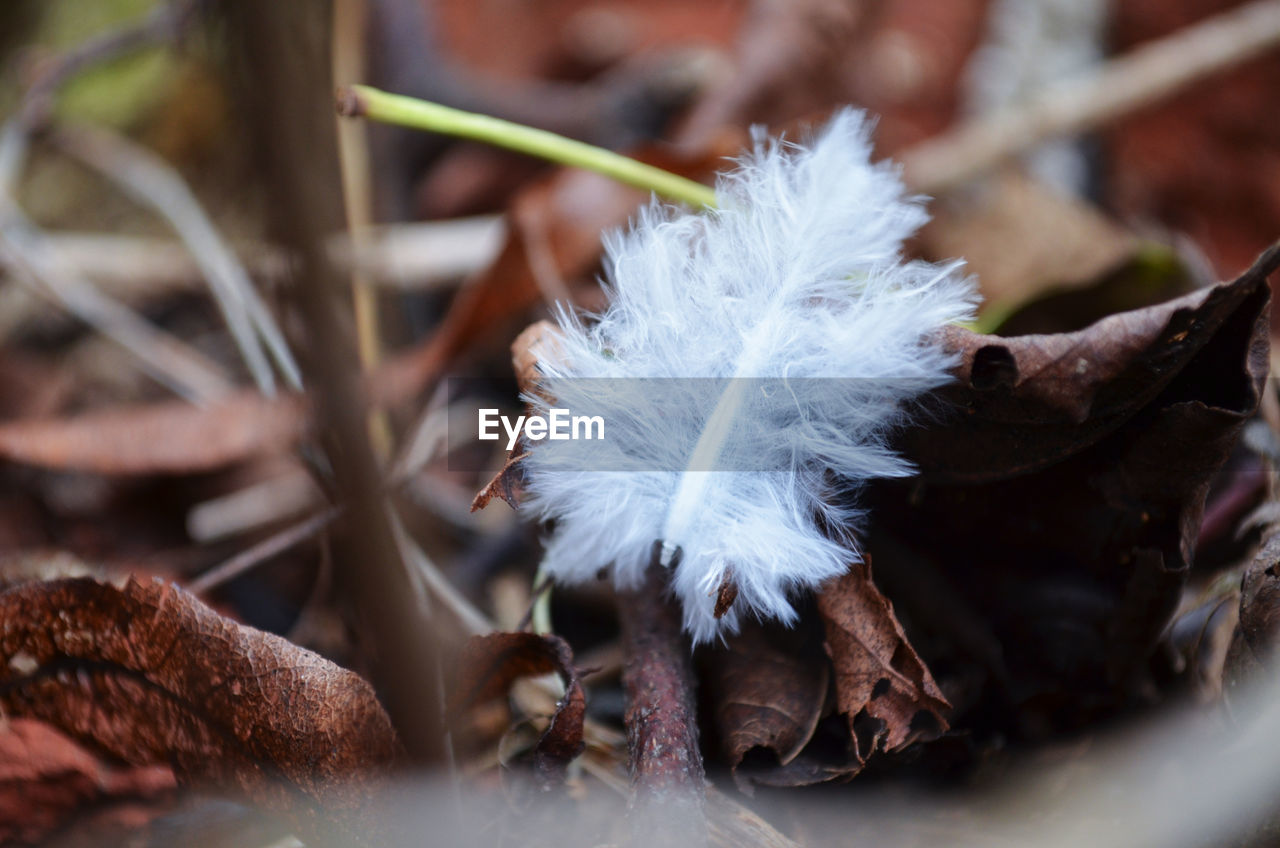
(537, 341)
(1062, 494)
(726, 594)
(487, 667)
(1257, 635)
(45, 777)
(505, 484)
(768, 693)
(1027, 402)
(876, 669)
(168, 437)
(149, 674)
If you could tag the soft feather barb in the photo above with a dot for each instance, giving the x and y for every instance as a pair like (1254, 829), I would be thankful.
(796, 278)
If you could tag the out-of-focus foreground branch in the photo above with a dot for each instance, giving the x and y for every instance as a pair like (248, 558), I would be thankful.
(281, 63)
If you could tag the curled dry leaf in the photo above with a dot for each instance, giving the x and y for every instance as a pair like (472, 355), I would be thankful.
(726, 594)
(1027, 402)
(487, 667)
(767, 690)
(877, 672)
(45, 777)
(1253, 645)
(535, 342)
(505, 484)
(538, 341)
(149, 674)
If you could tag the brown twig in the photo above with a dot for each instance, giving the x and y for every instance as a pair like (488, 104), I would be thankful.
(1144, 76)
(661, 717)
(295, 534)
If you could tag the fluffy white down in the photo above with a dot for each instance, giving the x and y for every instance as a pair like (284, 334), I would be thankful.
(797, 275)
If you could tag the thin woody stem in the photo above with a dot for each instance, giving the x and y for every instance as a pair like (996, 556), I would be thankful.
(667, 773)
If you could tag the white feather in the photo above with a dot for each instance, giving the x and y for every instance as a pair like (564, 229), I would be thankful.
(798, 275)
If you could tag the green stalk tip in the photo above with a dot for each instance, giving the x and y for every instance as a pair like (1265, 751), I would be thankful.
(375, 105)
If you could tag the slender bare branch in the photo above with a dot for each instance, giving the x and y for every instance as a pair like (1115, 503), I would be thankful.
(408, 257)
(268, 548)
(662, 721)
(1143, 76)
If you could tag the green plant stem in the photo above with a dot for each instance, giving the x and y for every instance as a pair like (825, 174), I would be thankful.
(367, 102)
(541, 617)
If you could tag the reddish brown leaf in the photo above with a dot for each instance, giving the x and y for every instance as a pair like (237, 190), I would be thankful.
(149, 674)
(536, 342)
(531, 345)
(45, 777)
(487, 667)
(170, 437)
(768, 693)
(876, 669)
